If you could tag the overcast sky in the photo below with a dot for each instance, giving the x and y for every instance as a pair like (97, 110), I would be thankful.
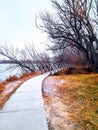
(17, 21)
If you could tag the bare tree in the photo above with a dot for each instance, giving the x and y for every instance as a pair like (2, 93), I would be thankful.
(27, 59)
(19, 59)
(73, 26)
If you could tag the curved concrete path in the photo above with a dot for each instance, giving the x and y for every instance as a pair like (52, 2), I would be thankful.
(25, 110)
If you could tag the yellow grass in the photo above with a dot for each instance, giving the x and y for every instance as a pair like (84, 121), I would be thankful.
(75, 97)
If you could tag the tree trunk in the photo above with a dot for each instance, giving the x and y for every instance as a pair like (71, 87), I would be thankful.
(93, 58)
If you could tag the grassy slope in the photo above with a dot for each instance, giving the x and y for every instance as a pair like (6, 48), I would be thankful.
(77, 95)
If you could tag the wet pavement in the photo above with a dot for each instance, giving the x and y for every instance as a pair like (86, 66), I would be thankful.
(25, 110)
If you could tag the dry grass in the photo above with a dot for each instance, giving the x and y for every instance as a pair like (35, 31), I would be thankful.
(7, 92)
(8, 87)
(71, 101)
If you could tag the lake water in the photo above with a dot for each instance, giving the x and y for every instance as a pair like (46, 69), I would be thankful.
(4, 73)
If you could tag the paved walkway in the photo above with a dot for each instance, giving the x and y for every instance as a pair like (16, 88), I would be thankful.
(25, 110)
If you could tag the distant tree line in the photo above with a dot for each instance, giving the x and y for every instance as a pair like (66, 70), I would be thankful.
(31, 60)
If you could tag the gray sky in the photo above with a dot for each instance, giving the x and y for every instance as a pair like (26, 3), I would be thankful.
(17, 21)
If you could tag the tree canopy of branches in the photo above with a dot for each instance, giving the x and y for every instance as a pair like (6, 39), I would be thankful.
(74, 24)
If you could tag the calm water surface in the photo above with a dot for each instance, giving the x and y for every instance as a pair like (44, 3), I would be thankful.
(4, 73)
